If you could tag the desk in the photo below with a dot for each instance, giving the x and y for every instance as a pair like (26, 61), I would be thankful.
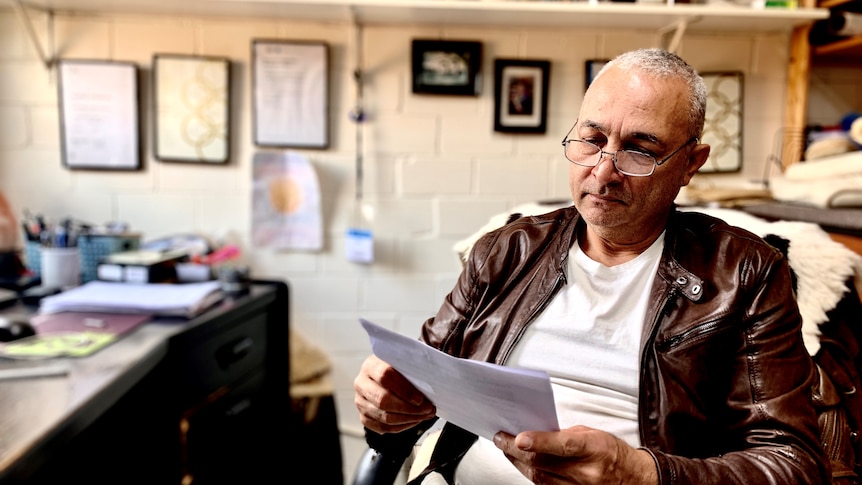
(193, 401)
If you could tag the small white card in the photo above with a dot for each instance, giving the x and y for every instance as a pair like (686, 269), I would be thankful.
(359, 246)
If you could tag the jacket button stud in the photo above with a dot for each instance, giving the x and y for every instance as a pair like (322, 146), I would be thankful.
(695, 289)
(681, 280)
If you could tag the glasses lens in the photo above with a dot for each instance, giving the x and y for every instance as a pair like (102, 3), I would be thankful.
(582, 152)
(634, 163)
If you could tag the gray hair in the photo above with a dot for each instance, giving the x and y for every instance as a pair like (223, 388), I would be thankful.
(664, 64)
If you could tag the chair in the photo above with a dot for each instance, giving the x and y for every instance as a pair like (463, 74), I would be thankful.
(835, 349)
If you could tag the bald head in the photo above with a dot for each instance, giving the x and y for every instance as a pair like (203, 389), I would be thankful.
(664, 64)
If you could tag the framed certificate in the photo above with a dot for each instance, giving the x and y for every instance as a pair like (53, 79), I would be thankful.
(99, 114)
(192, 108)
(290, 87)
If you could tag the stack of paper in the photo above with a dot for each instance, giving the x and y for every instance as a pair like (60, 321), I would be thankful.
(152, 298)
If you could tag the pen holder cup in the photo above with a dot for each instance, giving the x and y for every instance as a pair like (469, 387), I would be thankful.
(61, 267)
(32, 258)
(95, 247)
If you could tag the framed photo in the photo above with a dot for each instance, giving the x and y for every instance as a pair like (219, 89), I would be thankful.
(521, 95)
(99, 114)
(447, 67)
(192, 108)
(591, 70)
(722, 130)
(290, 86)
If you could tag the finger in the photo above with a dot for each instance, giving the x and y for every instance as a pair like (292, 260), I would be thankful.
(534, 466)
(386, 388)
(384, 410)
(380, 421)
(397, 384)
(573, 442)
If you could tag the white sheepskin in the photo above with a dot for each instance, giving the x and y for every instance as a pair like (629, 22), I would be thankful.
(822, 266)
(462, 247)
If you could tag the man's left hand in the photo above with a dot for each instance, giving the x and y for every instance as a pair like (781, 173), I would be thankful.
(577, 455)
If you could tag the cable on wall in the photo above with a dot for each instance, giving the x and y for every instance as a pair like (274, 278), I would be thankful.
(24, 18)
(359, 243)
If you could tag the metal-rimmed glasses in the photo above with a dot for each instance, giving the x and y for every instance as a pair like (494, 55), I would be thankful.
(628, 162)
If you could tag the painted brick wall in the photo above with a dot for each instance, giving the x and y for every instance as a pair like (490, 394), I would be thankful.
(434, 168)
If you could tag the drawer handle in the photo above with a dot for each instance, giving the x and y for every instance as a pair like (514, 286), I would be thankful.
(233, 352)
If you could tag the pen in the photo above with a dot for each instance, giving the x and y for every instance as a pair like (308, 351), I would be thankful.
(60, 239)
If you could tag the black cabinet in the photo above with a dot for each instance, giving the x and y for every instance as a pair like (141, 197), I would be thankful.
(212, 411)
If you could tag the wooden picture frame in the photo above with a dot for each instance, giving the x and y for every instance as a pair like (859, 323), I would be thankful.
(191, 108)
(99, 106)
(449, 67)
(521, 95)
(290, 93)
(722, 130)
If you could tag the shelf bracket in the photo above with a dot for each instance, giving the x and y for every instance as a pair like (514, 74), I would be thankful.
(678, 28)
(21, 13)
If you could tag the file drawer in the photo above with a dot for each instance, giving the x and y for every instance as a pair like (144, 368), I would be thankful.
(223, 358)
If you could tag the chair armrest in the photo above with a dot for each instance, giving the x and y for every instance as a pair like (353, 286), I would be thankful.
(381, 463)
(376, 469)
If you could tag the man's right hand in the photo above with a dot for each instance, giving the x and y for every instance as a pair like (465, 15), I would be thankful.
(387, 402)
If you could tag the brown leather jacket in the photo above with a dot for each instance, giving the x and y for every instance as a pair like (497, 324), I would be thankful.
(726, 383)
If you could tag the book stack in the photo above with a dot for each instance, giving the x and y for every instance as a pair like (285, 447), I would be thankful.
(141, 266)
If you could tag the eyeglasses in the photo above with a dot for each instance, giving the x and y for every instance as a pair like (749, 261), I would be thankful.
(628, 162)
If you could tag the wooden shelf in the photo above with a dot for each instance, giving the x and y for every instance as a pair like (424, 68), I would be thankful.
(562, 14)
(845, 50)
(846, 5)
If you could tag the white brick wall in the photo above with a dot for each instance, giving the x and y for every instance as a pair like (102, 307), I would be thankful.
(434, 168)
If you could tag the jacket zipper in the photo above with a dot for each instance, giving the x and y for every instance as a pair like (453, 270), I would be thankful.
(690, 334)
(642, 414)
(561, 277)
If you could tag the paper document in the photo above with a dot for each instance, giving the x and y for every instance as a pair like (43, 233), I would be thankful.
(480, 397)
(187, 299)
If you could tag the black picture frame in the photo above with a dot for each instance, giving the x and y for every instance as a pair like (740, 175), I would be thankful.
(99, 106)
(447, 67)
(290, 93)
(591, 70)
(191, 100)
(521, 95)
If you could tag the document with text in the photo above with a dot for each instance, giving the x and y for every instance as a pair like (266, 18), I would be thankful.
(480, 397)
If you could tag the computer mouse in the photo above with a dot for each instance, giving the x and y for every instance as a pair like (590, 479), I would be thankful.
(15, 328)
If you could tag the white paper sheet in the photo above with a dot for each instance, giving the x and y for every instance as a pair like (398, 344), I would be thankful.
(478, 396)
(186, 300)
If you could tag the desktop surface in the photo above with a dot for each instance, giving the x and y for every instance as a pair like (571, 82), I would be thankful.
(157, 375)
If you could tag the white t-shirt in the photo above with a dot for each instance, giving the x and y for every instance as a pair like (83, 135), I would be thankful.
(588, 340)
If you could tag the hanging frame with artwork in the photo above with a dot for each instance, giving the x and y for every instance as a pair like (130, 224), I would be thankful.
(192, 108)
(521, 95)
(723, 128)
(446, 67)
(591, 70)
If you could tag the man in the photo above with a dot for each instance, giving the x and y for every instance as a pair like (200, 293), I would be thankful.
(672, 339)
